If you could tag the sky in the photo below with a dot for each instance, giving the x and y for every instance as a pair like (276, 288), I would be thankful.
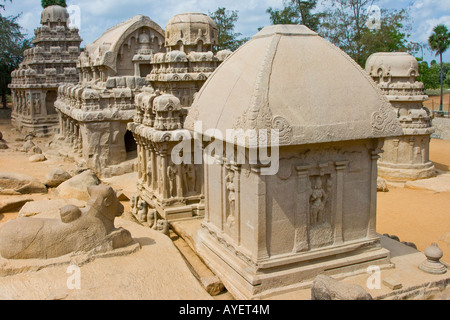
(95, 16)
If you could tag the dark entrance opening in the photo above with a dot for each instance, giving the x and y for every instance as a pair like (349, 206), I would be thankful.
(130, 143)
(145, 70)
(50, 99)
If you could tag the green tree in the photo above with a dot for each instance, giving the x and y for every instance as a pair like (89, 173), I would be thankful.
(296, 12)
(283, 16)
(225, 20)
(428, 75)
(345, 23)
(47, 3)
(12, 45)
(439, 42)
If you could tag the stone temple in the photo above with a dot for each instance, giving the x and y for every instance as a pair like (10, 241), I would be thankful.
(270, 233)
(94, 113)
(406, 157)
(50, 63)
(173, 190)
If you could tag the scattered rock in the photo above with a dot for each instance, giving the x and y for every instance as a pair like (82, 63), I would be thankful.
(36, 150)
(30, 136)
(13, 204)
(37, 158)
(326, 288)
(15, 184)
(1, 135)
(81, 167)
(382, 185)
(3, 145)
(77, 187)
(393, 237)
(55, 177)
(27, 146)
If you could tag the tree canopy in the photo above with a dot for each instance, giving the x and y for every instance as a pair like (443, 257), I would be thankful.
(47, 3)
(346, 24)
(439, 42)
(296, 12)
(13, 43)
(225, 20)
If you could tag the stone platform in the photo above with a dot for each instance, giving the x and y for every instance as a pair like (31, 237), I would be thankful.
(415, 284)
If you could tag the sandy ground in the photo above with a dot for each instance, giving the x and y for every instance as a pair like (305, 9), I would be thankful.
(419, 216)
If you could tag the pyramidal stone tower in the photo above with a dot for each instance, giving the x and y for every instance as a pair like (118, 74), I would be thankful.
(173, 190)
(269, 230)
(50, 63)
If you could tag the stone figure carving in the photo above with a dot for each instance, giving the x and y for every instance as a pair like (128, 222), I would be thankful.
(149, 173)
(37, 106)
(90, 229)
(172, 172)
(162, 226)
(133, 203)
(318, 200)
(231, 198)
(142, 210)
(152, 218)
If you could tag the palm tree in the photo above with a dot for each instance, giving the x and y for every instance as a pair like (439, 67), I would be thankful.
(439, 41)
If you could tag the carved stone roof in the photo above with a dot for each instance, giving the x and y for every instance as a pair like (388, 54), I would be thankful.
(289, 78)
(104, 50)
(54, 14)
(392, 64)
(190, 28)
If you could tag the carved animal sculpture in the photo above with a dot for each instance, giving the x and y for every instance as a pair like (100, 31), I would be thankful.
(90, 229)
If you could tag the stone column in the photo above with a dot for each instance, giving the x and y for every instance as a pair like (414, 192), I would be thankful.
(338, 218)
(302, 216)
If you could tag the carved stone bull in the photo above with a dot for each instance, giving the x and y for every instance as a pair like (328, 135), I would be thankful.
(90, 229)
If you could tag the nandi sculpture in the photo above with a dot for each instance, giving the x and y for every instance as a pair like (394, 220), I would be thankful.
(89, 229)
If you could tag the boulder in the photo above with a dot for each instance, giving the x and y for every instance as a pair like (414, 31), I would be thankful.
(55, 177)
(13, 204)
(37, 158)
(36, 150)
(77, 186)
(27, 146)
(15, 184)
(3, 145)
(327, 288)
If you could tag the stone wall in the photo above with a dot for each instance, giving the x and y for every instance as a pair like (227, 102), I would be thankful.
(442, 126)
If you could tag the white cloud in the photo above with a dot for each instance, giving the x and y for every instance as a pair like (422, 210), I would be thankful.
(99, 15)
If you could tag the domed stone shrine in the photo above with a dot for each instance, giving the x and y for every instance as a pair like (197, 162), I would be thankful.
(271, 231)
(406, 157)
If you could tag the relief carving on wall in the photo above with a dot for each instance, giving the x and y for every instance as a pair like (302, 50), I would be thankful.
(384, 121)
(321, 192)
(231, 191)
